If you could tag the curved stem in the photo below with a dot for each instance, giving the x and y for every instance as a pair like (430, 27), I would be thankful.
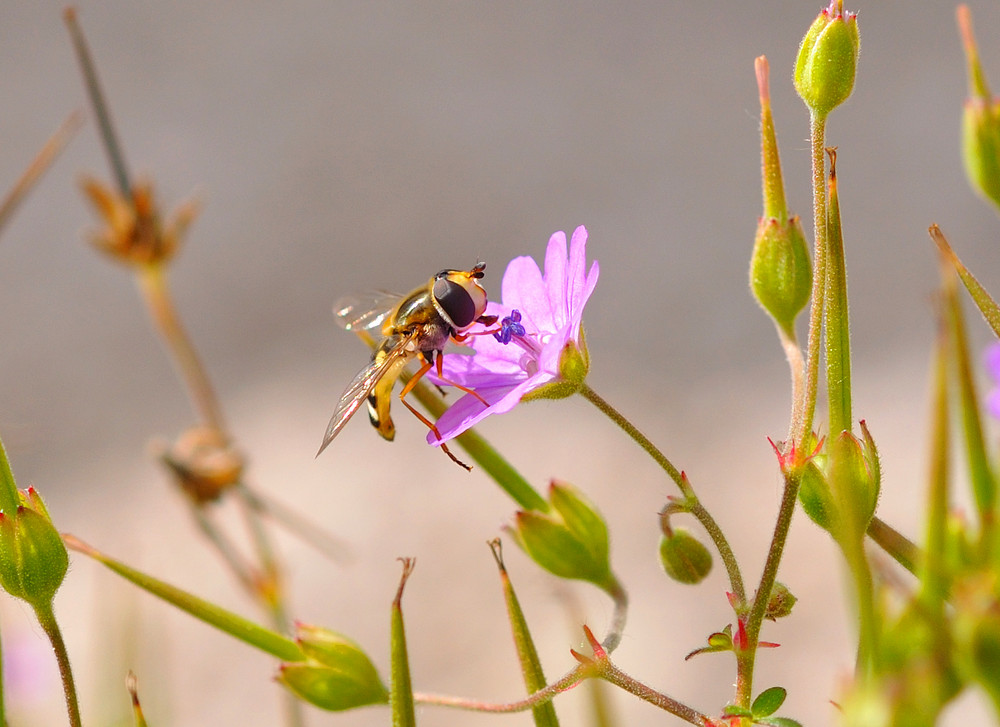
(46, 617)
(639, 438)
(692, 504)
(156, 292)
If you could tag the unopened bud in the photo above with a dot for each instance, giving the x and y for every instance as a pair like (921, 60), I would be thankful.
(33, 559)
(336, 675)
(780, 603)
(980, 121)
(684, 558)
(828, 59)
(570, 540)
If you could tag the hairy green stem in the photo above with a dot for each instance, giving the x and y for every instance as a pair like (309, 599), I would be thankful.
(802, 423)
(745, 658)
(692, 504)
(47, 618)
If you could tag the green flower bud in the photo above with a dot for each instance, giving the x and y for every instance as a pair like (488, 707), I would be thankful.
(980, 122)
(828, 59)
(336, 675)
(33, 559)
(329, 688)
(336, 651)
(815, 496)
(855, 478)
(570, 541)
(684, 558)
(780, 603)
(780, 269)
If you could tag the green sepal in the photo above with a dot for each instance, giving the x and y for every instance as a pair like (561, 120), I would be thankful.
(816, 498)
(717, 641)
(569, 541)
(983, 300)
(574, 364)
(527, 655)
(346, 678)
(981, 147)
(401, 695)
(328, 688)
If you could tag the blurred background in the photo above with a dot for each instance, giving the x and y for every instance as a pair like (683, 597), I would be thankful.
(337, 147)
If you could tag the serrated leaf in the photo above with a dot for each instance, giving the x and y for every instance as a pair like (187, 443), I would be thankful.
(768, 702)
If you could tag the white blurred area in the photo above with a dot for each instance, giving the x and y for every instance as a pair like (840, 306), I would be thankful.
(345, 146)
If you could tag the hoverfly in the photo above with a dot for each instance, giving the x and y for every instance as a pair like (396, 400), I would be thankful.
(416, 326)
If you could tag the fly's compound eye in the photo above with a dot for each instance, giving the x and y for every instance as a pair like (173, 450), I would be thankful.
(456, 302)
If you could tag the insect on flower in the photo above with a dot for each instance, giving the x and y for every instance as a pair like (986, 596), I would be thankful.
(416, 326)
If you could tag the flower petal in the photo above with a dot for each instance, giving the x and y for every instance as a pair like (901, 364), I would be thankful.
(523, 288)
(555, 278)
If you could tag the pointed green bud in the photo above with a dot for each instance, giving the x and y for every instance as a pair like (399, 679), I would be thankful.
(570, 541)
(780, 603)
(336, 675)
(980, 121)
(828, 60)
(329, 688)
(780, 269)
(336, 651)
(854, 477)
(33, 559)
(684, 558)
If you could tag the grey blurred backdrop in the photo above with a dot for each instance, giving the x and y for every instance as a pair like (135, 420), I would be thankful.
(342, 146)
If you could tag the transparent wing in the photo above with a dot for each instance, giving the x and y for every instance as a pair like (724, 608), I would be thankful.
(365, 311)
(359, 389)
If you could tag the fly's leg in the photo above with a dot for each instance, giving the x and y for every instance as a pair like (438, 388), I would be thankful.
(424, 368)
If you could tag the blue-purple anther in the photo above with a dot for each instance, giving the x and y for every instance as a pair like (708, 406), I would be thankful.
(510, 326)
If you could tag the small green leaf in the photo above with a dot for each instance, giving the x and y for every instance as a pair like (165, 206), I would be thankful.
(768, 702)
(733, 710)
(719, 641)
(780, 722)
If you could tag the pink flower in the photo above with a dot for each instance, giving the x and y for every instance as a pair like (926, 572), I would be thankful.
(539, 342)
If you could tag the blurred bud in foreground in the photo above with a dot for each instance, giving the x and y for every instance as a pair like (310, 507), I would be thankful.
(337, 675)
(33, 559)
(828, 60)
(780, 269)
(570, 540)
(980, 121)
